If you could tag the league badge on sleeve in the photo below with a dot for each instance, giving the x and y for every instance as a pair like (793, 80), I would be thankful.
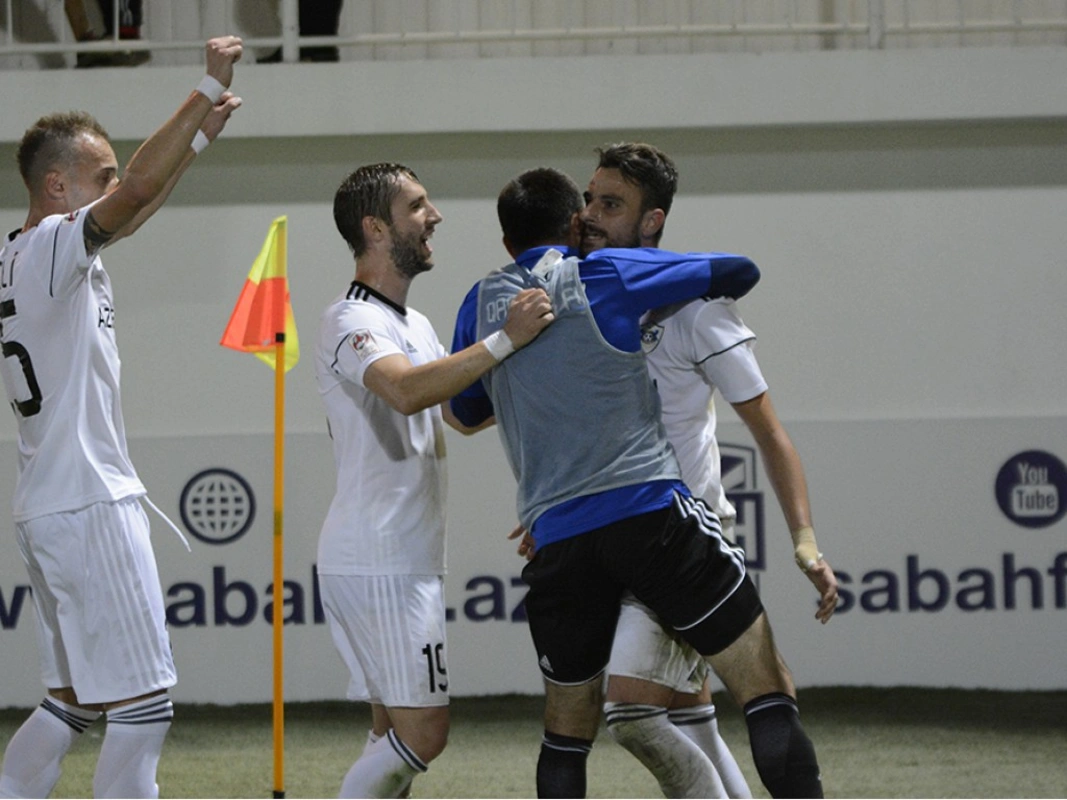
(364, 343)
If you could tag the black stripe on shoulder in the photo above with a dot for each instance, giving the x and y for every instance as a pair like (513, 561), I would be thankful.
(361, 291)
(727, 349)
(52, 276)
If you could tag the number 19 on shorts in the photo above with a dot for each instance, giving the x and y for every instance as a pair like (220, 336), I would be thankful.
(435, 667)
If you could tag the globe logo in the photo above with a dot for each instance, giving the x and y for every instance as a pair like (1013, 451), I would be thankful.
(217, 506)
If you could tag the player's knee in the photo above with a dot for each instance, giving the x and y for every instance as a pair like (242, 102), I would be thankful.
(65, 695)
(633, 725)
(427, 740)
(781, 750)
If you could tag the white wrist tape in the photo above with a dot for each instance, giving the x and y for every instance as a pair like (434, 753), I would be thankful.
(200, 141)
(805, 550)
(211, 89)
(499, 345)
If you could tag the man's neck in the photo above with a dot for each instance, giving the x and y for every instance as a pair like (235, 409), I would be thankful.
(383, 278)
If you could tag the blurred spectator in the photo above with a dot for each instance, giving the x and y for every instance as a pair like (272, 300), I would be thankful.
(317, 18)
(94, 20)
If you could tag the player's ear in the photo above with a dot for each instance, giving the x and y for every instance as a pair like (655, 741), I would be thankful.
(373, 229)
(652, 223)
(54, 184)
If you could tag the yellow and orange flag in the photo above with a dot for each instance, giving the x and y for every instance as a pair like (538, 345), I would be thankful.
(263, 309)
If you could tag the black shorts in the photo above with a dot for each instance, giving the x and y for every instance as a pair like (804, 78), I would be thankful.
(674, 560)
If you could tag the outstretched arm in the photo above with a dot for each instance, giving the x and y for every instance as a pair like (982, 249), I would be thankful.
(214, 123)
(791, 488)
(409, 389)
(164, 155)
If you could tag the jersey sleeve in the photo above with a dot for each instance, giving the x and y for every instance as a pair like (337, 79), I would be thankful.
(360, 336)
(472, 406)
(723, 348)
(623, 283)
(69, 262)
(655, 278)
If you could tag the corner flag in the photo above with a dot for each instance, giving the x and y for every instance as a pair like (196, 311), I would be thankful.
(263, 309)
(262, 323)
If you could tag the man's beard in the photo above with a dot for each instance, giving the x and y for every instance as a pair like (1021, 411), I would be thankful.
(633, 239)
(407, 255)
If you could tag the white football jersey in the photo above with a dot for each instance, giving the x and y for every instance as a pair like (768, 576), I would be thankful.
(388, 514)
(61, 371)
(693, 349)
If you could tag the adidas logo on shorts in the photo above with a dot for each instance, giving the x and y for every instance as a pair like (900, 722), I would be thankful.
(546, 665)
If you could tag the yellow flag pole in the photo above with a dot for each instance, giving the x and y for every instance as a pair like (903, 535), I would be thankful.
(279, 560)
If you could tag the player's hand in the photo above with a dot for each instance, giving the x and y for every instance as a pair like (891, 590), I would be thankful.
(526, 542)
(218, 116)
(222, 53)
(822, 576)
(530, 313)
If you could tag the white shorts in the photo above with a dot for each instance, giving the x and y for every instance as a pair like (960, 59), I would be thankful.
(644, 649)
(390, 632)
(101, 624)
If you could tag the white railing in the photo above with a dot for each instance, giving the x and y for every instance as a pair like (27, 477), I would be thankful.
(384, 29)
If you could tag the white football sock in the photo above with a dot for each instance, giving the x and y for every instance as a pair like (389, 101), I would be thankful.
(700, 725)
(32, 758)
(385, 769)
(132, 745)
(679, 766)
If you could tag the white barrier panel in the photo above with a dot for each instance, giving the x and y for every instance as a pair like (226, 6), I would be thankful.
(948, 536)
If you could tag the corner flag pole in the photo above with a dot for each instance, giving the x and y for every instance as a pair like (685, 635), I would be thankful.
(279, 561)
(262, 323)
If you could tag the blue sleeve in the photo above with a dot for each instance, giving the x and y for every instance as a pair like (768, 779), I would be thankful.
(472, 406)
(622, 284)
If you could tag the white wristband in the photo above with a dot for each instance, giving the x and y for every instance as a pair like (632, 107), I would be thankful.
(499, 345)
(211, 89)
(200, 141)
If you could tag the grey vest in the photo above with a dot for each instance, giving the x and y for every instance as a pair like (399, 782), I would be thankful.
(576, 416)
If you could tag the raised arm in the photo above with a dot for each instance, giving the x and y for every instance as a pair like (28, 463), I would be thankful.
(160, 160)
(409, 389)
(214, 123)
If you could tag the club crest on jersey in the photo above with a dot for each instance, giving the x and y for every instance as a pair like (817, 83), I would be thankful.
(650, 337)
(365, 345)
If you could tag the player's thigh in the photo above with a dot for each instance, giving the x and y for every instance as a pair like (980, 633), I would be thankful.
(52, 655)
(391, 631)
(752, 666)
(646, 655)
(693, 579)
(101, 573)
(572, 608)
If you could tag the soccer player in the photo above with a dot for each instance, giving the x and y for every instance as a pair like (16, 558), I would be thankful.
(692, 349)
(600, 488)
(383, 375)
(78, 517)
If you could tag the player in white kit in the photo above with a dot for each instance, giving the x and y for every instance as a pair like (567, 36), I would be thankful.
(657, 683)
(383, 375)
(80, 526)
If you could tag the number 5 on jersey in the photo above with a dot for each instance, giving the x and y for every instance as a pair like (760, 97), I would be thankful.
(32, 405)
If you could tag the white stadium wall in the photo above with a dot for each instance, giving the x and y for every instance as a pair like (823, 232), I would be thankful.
(910, 319)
